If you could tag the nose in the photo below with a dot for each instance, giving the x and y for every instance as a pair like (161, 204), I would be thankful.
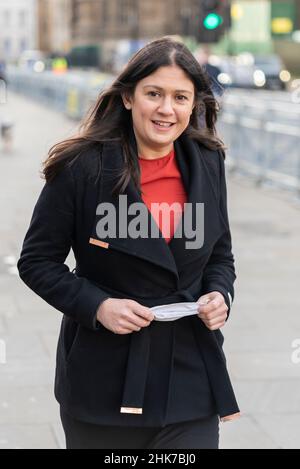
(166, 106)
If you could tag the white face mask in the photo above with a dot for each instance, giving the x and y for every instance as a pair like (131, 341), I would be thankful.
(174, 311)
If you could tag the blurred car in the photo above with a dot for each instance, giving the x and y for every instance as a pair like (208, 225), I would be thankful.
(33, 60)
(250, 71)
(270, 72)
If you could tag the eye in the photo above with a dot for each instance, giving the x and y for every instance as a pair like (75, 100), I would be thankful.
(153, 93)
(182, 97)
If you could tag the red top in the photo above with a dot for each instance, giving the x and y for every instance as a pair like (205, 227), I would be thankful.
(161, 182)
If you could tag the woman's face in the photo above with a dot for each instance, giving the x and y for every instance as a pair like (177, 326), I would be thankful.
(161, 108)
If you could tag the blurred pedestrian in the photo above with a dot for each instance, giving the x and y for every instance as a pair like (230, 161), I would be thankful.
(6, 126)
(2, 71)
(123, 378)
(203, 56)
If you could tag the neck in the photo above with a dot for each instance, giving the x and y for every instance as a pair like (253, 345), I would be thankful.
(152, 154)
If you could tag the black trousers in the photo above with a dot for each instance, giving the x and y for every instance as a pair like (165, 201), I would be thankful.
(194, 434)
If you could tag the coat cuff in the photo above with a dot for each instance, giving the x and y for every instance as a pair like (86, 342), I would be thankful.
(97, 324)
(227, 297)
(87, 315)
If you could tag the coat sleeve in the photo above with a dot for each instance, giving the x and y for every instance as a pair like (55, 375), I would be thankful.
(219, 273)
(46, 246)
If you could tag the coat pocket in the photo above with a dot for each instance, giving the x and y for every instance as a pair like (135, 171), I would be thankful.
(70, 335)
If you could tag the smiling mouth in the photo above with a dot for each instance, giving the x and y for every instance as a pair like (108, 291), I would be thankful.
(163, 125)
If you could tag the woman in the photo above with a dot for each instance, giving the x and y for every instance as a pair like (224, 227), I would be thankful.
(124, 379)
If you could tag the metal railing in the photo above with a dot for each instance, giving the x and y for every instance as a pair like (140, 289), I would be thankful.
(263, 138)
(71, 93)
(262, 134)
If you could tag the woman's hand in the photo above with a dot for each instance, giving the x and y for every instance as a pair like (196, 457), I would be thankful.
(212, 310)
(123, 316)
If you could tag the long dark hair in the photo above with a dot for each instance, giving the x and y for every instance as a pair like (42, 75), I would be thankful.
(109, 120)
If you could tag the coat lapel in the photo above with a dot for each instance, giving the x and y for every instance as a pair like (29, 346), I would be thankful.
(154, 250)
(200, 184)
(199, 188)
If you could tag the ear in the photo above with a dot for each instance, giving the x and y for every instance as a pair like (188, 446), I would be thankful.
(127, 102)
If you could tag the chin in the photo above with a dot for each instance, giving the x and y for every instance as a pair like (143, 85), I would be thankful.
(162, 142)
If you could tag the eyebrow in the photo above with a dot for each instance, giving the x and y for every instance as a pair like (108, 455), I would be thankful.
(161, 89)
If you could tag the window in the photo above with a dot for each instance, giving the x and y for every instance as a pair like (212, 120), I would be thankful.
(22, 18)
(6, 18)
(123, 12)
(7, 46)
(105, 13)
(23, 45)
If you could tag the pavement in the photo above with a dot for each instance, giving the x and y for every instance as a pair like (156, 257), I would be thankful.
(264, 322)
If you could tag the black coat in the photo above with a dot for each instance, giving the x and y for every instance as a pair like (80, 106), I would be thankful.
(169, 371)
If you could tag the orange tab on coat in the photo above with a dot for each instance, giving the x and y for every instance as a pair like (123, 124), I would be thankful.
(99, 243)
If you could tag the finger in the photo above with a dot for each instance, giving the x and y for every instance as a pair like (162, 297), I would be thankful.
(219, 320)
(137, 320)
(215, 321)
(214, 314)
(211, 306)
(133, 318)
(126, 324)
(124, 331)
(142, 311)
(217, 326)
(207, 307)
(203, 300)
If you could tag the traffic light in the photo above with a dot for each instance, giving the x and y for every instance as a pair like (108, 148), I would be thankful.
(211, 17)
(214, 19)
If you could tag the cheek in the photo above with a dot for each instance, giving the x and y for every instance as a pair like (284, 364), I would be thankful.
(138, 118)
(141, 116)
(184, 116)
(144, 110)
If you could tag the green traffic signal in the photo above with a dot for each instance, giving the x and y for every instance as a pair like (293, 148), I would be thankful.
(212, 21)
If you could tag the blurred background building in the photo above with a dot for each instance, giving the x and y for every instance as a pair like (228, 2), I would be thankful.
(18, 28)
(100, 33)
(265, 26)
(54, 26)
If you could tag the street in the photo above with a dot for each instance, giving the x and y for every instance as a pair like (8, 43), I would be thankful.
(264, 319)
